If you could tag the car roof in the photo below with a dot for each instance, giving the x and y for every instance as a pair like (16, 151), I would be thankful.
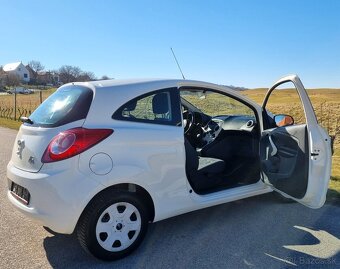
(135, 87)
(151, 83)
(115, 92)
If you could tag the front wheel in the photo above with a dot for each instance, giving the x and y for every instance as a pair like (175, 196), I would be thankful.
(113, 225)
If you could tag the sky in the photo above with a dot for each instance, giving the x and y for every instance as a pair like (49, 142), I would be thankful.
(249, 43)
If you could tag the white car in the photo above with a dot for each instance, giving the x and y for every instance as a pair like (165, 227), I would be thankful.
(104, 158)
(20, 90)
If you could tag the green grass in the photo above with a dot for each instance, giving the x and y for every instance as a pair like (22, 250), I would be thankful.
(10, 123)
(333, 193)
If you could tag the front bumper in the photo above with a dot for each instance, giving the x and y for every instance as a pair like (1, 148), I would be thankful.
(57, 196)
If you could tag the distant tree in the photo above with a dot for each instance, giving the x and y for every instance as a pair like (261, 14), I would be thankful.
(36, 67)
(86, 76)
(2, 77)
(105, 77)
(69, 73)
(12, 80)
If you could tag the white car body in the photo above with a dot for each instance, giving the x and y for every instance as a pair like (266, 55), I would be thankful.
(21, 90)
(150, 156)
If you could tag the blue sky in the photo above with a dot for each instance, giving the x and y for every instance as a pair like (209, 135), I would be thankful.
(243, 43)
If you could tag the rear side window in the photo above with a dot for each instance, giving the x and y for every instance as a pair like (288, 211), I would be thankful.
(66, 105)
(159, 107)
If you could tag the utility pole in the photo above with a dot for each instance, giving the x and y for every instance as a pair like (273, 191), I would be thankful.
(15, 104)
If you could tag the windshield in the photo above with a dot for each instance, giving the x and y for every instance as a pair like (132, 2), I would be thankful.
(67, 104)
(216, 104)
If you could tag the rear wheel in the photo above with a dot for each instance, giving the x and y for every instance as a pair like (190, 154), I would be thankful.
(113, 225)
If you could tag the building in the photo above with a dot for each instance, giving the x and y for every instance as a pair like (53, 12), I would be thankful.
(17, 69)
(48, 78)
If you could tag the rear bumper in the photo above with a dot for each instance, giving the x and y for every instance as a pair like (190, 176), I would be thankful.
(57, 198)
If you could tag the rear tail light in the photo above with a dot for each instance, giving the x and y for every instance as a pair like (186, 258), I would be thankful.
(73, 142)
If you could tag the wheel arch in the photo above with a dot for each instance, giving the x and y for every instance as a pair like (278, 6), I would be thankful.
(129, 187)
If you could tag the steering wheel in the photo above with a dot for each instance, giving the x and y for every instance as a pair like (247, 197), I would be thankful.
(188, 120)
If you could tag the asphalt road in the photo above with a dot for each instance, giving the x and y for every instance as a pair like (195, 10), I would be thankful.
(256, 232)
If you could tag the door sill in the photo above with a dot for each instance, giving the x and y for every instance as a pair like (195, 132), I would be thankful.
(232, 194)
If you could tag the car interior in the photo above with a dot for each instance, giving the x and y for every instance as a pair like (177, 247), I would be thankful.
(222, 146)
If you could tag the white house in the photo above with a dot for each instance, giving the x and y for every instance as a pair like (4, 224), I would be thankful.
(17, 69)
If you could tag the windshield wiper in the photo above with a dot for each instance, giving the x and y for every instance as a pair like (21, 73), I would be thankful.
(26, 119)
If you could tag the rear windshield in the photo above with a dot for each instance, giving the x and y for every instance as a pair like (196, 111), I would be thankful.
(67, 104)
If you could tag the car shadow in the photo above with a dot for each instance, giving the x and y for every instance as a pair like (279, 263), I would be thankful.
(251, 233)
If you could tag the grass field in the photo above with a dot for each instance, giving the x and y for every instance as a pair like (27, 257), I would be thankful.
(10, 123)
(326, 103)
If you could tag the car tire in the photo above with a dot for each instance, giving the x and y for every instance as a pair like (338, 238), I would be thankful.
(113, 225)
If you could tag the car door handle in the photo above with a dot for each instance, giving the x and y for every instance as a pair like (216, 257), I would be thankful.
(274, 148)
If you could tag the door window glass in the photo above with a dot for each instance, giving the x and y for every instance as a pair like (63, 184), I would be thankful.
(285, 100)
(152, 107)
(216, 104)
(160, 107)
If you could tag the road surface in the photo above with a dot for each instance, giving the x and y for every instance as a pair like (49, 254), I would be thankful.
(256, 232)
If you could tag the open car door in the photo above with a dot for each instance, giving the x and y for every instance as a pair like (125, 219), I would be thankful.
(296, 159)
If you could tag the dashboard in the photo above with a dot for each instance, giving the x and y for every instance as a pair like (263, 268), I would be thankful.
(202, 129)
(218, 124)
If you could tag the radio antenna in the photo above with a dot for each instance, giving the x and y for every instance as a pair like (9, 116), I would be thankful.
(173, 53)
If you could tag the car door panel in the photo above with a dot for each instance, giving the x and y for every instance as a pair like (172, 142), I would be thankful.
(288, 167)
(296, 159)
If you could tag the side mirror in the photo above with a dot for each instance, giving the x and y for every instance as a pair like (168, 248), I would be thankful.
(283, 120)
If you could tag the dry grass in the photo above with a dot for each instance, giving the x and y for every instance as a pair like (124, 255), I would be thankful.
(214, 104)
(326, 103)
(10, 123)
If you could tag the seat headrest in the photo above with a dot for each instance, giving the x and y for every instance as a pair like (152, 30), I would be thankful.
(160, 103)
